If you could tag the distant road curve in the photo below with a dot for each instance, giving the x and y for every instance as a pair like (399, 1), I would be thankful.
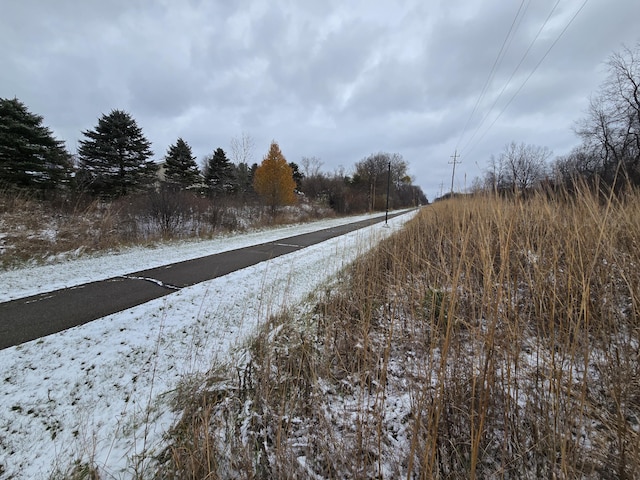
(29, 318)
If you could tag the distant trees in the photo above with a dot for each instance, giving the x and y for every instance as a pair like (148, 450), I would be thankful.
(410, 196)
(273, 179)
(518, 168)
(580, 163)
(30, 156)
(311, 166)
(336, 190)
(366, 188)
(313, 184)
(115, 156)
(181, 168)
(115, 159)
(611, 130)
(218, 173)
(372, 173)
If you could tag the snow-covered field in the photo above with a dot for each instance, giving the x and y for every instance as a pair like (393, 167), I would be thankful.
(100, 392)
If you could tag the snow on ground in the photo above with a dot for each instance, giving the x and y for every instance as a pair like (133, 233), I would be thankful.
(99, 392)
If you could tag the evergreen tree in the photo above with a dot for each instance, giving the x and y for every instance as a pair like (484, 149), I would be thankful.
(181, 166)
(273, 179)
(298, 176)
(115, 156)
(243, 175)
(29, 154)
(218, 173)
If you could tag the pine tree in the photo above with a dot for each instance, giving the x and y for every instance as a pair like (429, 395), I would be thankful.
(29, 154)
(243, 175)
(273, 179)
(115, 155)
(218, 174)
(181, 166)
(298, 176)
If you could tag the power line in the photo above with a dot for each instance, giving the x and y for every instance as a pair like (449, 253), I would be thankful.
(515, 70)
(496, 63)
(531, 73)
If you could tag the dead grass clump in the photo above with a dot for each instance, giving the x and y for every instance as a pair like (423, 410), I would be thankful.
(235, 423)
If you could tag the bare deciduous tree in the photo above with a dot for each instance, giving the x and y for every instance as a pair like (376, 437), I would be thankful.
(311, 166)
(242, 149)
(611, 129)
(518, 168)
(372, 172)
(581, 162)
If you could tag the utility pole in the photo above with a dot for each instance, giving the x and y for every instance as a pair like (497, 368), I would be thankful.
(453, 174)
(386, 215)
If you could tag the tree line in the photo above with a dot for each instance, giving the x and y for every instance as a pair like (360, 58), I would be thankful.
(608, 157)
(114, 159)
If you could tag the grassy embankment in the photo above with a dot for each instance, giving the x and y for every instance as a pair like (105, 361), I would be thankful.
(490, 338)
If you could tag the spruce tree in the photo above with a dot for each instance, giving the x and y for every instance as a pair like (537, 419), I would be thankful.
(115, 156)
(298, 176)
(181, 166)
(243, 175)
(218, 174)
(30, 156)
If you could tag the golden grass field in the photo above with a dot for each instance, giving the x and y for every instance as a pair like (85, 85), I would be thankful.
(490, 338)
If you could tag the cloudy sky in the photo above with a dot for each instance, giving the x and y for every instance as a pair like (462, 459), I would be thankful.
(336, 80)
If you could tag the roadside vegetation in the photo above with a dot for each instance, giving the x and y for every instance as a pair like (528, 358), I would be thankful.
(36, 231)
(490, 338)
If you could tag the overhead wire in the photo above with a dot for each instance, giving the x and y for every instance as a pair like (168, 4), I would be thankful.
(513, 73)
(505, 45)
(535, 68)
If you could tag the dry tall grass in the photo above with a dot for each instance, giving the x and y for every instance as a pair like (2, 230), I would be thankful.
(490, 338)
(36, 231)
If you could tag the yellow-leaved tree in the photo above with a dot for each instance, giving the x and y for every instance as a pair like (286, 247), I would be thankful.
(273, 180)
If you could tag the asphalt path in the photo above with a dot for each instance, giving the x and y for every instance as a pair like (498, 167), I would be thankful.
(29, 318)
